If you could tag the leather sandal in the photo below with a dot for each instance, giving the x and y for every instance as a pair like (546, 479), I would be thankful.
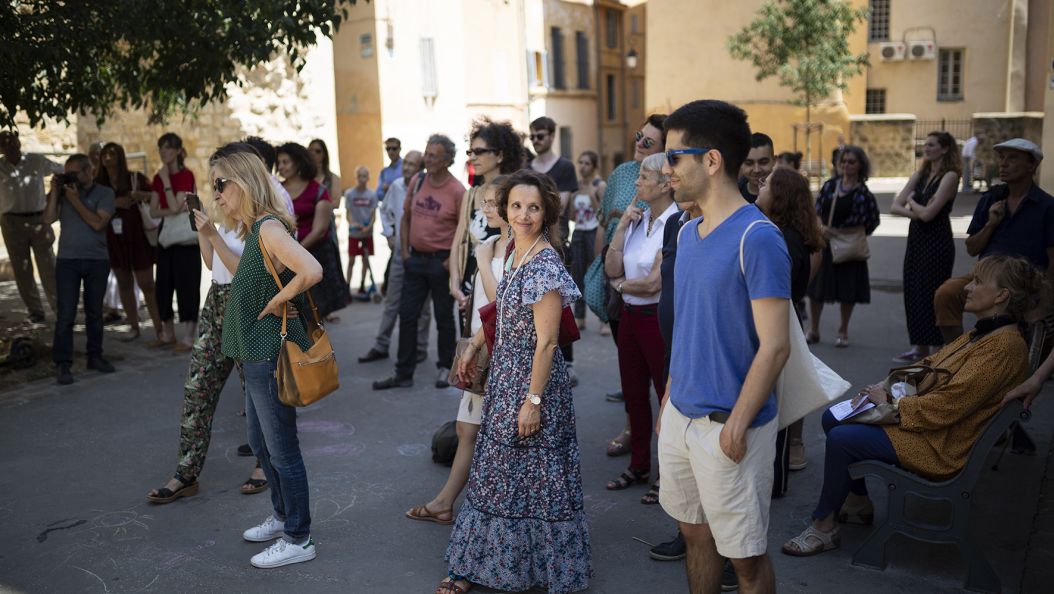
(253, 486)
(812, 542)
(166, 495)
(628, 478)
(423, 514)
(652, 496)
(449, 586)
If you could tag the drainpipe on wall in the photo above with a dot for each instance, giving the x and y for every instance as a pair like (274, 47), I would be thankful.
(1017, 53)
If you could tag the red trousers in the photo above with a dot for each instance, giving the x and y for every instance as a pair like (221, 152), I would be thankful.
(640, 362)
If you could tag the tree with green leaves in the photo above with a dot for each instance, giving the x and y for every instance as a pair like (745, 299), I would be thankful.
(805, 45)
(62, 57)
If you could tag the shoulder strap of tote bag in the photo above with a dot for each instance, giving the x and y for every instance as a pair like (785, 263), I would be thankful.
(743, 238)
(278, 281)
(834, 198)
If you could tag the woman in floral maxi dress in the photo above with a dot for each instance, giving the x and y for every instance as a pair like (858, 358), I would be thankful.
(522, 524)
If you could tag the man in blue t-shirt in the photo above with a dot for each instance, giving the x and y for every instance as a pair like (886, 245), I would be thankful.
(83, 210)
(717, 430)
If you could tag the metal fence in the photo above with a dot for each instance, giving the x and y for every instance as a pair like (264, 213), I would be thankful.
(961, 130)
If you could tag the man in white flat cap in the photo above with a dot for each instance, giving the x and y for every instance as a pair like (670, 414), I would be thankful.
(1015, 217)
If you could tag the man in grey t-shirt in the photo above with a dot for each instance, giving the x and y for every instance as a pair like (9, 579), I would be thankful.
(83, 210)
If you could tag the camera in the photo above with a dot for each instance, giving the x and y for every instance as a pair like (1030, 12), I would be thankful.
(66, 179)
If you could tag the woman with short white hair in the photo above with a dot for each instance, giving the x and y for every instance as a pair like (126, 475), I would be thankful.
(632, 264)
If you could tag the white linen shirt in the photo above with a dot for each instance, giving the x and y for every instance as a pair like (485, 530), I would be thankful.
(639, 249)
(22, 186)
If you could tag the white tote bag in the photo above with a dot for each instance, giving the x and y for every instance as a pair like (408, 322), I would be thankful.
(806, 383)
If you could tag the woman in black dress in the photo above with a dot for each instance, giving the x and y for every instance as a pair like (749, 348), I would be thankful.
(847, 283)
(927, 200)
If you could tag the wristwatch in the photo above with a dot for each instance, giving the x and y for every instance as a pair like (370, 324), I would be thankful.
(535, 399)
(619, 288)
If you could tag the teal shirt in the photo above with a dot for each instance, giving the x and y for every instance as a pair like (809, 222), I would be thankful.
(621, 188)
(244, 337)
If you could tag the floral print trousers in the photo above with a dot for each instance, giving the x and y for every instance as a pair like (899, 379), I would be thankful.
(208, 372)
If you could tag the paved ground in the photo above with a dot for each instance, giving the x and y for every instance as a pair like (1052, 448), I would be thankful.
(79, 460)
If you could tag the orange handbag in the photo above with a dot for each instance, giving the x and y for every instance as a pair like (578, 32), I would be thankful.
(303, 377)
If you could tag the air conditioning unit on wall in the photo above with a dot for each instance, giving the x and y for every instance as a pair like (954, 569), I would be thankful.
(892, 51)
(922, 50)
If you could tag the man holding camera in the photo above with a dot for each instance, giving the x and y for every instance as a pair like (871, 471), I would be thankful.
(22, 206)
(83, 209)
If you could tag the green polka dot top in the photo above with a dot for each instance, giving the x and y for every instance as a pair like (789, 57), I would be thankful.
(244, 337)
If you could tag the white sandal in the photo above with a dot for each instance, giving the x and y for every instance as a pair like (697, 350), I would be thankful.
(800, 546)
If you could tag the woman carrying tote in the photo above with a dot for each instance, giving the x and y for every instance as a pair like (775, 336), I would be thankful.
(844, 203)
(179, 264)
(251, 337)
(494, 149)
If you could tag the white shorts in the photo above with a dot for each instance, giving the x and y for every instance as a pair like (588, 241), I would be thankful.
(701, 485)
(471, 408)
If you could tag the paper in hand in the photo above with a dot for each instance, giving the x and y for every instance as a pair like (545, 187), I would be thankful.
(843, 410)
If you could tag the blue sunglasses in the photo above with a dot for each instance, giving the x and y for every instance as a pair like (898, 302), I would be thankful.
(673, 155)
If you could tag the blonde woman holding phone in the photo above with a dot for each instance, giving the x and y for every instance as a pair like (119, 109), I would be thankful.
(252, 337)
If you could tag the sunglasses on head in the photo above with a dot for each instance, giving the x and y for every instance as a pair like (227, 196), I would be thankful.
(220, 184)
(674, 155)
(647, 142)
(479, 151)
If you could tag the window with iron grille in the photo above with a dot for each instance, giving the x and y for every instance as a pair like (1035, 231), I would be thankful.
(878, 23)
(875, 102)
(950, 75)
(582, 55)
(559, 81)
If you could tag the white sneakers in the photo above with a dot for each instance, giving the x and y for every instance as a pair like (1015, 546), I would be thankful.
(269, 530)
(282, 552)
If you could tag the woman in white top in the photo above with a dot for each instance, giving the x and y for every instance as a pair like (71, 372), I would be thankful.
(584, 208)
(490, 266)
(633, 265)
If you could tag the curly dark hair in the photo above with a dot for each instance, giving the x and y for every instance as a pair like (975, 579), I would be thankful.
(502, 137)
(305, 165)
(546, 189)
(792, 206)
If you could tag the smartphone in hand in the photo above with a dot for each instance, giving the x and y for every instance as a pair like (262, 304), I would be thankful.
(193, 203)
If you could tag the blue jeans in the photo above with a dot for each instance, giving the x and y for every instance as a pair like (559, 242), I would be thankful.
(272, 436)
(847, 444)
(69, 272)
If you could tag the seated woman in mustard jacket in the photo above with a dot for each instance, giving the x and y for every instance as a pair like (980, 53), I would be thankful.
(937, 429)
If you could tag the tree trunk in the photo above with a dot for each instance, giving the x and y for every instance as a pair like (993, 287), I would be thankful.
(808, 133)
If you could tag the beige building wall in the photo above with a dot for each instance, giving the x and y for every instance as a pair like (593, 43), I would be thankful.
(687, 59)
(982, 28)
(434, 68)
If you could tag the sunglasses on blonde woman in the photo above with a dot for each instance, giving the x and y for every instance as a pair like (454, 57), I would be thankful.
(220, 184)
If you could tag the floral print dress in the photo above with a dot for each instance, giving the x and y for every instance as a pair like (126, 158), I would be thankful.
(522, 524)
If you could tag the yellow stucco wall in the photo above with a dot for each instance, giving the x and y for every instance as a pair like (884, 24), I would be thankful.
(358, 105)
(687, 59)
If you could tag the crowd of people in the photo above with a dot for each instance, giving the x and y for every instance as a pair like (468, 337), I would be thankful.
(707, 226)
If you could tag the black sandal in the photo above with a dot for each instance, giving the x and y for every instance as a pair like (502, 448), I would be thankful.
(629, 478)
(652, 496)
(253, 486)
(166, 495)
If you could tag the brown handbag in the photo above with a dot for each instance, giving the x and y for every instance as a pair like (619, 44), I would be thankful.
(478, 385)
(303, 377)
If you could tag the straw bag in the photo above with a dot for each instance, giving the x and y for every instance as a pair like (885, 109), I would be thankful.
(303, 377)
